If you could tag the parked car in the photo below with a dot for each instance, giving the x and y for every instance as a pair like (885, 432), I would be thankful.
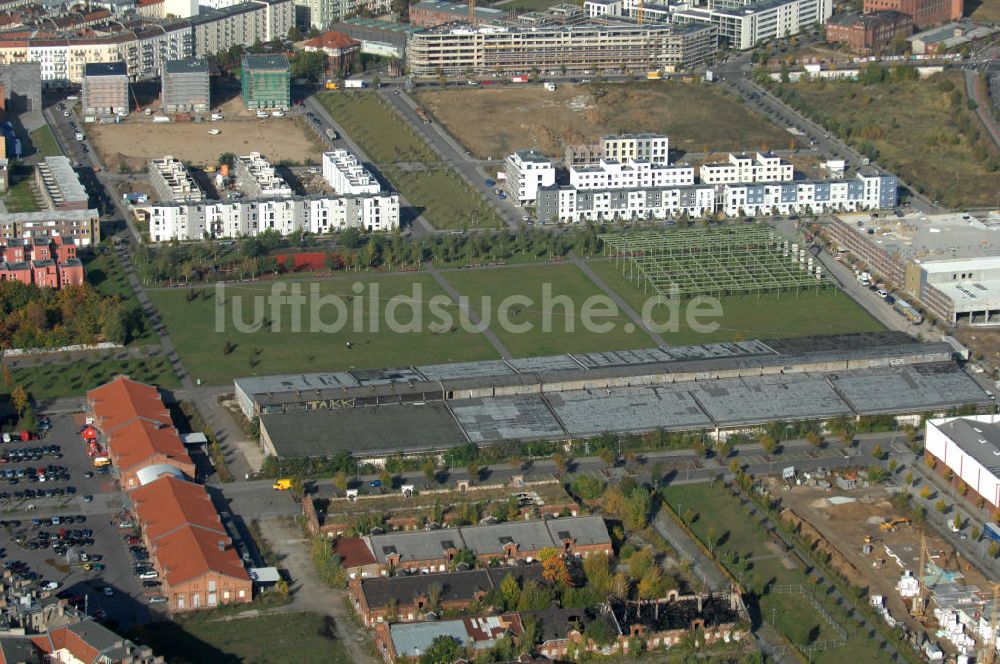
(150, 574)
(157, 599)
(108, 591)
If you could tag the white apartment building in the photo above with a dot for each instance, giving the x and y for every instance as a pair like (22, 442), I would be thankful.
(743, 25)
(862, 192)
(654, 148)
(526, 171)
(257, 178)
(320, 14)
(612, 174)
(172, 181)
(234, 219)
(570, 205)
(744, 168)
(345, 174)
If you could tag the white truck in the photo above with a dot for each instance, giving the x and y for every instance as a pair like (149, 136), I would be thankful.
(160, 118)
(551, 87)
(356, 83)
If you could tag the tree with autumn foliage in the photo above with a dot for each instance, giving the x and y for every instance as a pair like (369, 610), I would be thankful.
(554, 568)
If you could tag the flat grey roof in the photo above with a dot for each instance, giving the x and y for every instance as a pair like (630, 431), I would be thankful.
(505, 418)
(367, 430)
(769, 398)
(187, 66)
(911, 388)
(980, 440)
(105, 69)
(592, 412)
(258, 61)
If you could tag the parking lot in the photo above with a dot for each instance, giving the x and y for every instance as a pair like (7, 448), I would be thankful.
(50, 535)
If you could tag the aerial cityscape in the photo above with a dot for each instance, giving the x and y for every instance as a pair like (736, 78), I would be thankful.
(499, 331)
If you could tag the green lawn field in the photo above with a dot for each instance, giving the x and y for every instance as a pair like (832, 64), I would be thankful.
(770, 316)
(713, 515)
(63, 379)
(402, 156)
(20, 197)
(45, 142)
(276, 348)
(566, 332)
(286, 638)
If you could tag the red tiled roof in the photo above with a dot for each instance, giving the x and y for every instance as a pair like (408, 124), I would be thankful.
(353, 552)
(332, 40)
(168, 503)
(123, 400)
(134, 443)
(190, 552)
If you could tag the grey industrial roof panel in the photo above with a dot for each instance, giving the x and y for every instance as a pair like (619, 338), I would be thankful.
(455, 370)
(505, 418)
(591, 412)
(544, 364)
(366, 430)
(768, 398)
(909, 389)
(980, 440)
(529, 536)
(416, 546)
(622, 357)
(367, 377)
(293, 382)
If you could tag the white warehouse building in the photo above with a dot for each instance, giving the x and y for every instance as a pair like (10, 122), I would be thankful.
(970, 448)
(347, 176)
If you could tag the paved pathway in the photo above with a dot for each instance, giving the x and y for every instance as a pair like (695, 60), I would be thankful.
(622, 304)
(974, 90)
(470, 314)
(309, 593)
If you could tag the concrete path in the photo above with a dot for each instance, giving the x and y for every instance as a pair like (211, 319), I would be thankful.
(701, 565)
(973, 88)
(622, 304)
(470, 314)
(309, 594)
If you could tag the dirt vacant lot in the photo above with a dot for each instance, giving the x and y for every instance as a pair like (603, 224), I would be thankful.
(280, 139)
(493, 121)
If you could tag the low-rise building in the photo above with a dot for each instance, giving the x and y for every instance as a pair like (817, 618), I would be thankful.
(506, 543)
(185, 86)
(869, 34)
(105, 89)
(258, 179)
(654, 148)
(631, 174)
(141, 444)
(59, 184)
(952, 35)
(234, 219)
(865, 191)
(761, 167)
(566, 204)
(266, 82)
(341, 51)
(407, 642)
(347, 176)
(79, 227)
(527, 171)
(172, 181)
(408, 598)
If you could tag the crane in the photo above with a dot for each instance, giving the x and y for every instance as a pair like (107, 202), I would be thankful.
(990, 642)
(472, 12)
(639, 12)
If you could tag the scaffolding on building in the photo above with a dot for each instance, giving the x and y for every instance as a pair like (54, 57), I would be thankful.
(730, 261)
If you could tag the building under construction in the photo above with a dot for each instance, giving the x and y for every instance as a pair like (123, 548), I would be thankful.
(460, 48)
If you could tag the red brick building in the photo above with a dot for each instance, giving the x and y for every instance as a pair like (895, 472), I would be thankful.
(341, 51)
(925, 13)
(46, 262)
(869, 34)
(140, 444)
(20, 271)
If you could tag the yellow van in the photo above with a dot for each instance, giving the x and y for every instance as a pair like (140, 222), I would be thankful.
(282, 485)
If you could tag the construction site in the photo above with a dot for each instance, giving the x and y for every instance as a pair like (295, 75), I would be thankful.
(915, 578)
